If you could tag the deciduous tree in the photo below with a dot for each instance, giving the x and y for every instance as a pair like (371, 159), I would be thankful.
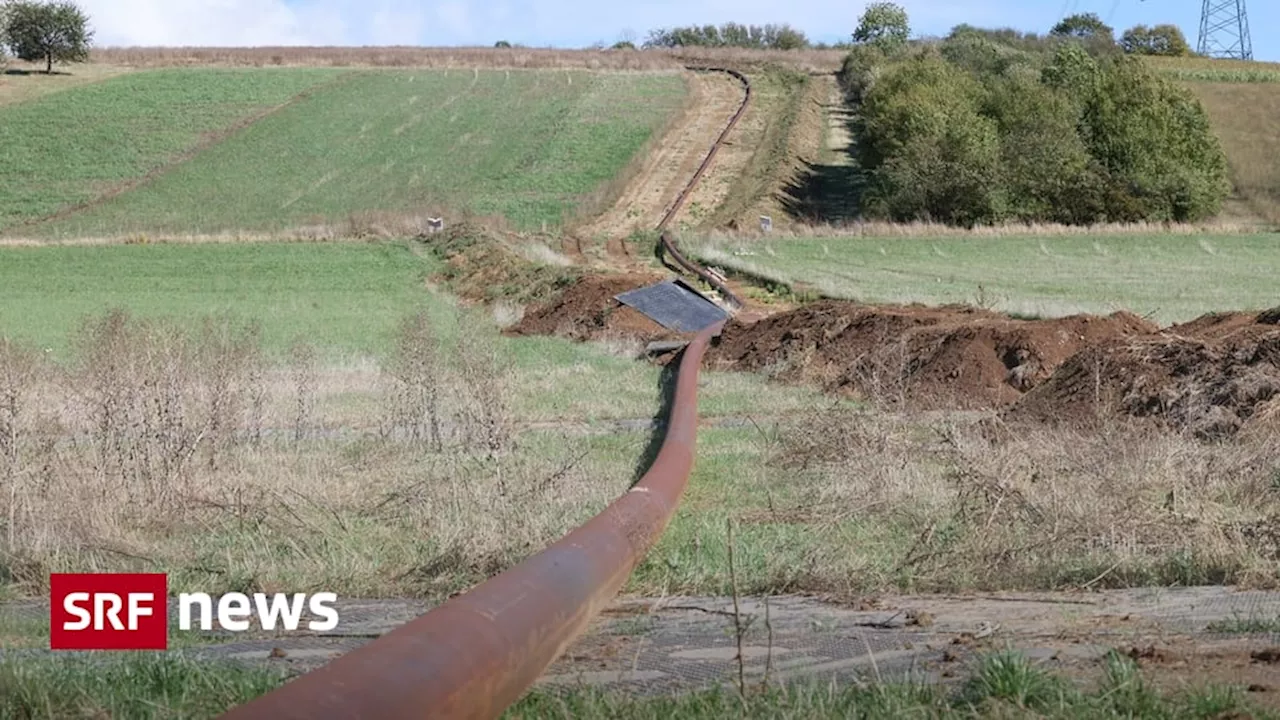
(884, 24)
(53, 32)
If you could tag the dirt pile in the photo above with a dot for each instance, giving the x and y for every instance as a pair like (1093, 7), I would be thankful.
(587, 310)
(923, 357)
(479, 266)
(1214, 376)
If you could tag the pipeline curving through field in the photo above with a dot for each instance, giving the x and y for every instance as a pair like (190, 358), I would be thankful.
(477, 653)
(667, 243)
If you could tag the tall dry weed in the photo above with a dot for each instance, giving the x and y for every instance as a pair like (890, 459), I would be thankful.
(302, 373)
(19, 370)
(155, 394)
(949, 504)
(228, 373)
(485, 376)
(418, 377)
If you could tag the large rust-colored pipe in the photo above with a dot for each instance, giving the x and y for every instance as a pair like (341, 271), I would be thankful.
(664, 235)
(479, 652)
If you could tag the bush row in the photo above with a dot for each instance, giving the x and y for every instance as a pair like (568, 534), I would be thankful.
(984, 127)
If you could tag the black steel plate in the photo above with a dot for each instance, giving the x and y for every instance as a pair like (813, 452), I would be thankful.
(675, 306)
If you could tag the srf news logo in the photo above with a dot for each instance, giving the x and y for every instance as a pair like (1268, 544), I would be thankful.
(130, 611)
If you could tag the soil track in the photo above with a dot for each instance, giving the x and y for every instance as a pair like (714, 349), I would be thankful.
(665, 174)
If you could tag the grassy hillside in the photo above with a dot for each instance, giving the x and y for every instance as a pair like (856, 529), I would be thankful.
(531, 146)
(1243, 102)
(1246, 117)
(1170, 277)
(71, 147)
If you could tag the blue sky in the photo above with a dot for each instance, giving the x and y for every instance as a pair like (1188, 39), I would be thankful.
(578, 23)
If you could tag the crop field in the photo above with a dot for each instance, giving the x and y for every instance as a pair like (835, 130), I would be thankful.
(528, 146)
(1216, 70)
(344, 298)
(123, 128)
(1169, 278)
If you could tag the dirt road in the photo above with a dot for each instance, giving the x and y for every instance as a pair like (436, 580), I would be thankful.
(715, 97)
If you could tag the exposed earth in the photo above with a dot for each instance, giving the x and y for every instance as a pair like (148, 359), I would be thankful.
(1214, 376)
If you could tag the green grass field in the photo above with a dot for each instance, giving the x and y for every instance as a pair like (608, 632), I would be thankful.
(1171, 278)
(73, 146)
(345, 299)
(530, 146)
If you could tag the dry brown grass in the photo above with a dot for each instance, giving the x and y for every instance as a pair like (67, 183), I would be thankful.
(943, 505)
(356, 227)
(464, 57)
(27, 81)
(175, 449)
(1244, 117)
(876, 229)
(425, 57)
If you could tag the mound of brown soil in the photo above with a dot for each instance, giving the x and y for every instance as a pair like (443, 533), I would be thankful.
(1212, 376)
(954, 357)
(587, 310)
(479, 266)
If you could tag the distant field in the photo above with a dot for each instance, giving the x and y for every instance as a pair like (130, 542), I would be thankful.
(1217, 70)
(1169, 277)
(1245, 117)
(343, 298)
(531, 146)
(71, 147)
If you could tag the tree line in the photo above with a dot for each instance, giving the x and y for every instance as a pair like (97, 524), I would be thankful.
(995, 126)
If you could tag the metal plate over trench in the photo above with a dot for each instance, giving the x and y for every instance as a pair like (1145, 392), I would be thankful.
(675, 306)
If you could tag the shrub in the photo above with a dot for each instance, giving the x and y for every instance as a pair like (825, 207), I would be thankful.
(1166, 40)
(933, 155)
(859, 71)
(988, 126)
(1154, 141)
(774, 37)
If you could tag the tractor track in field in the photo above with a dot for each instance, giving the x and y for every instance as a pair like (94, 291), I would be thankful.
(647, 201)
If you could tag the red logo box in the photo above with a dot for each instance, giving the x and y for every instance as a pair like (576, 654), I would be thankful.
(109, 611)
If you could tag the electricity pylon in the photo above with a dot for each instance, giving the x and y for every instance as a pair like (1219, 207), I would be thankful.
(1224, 30)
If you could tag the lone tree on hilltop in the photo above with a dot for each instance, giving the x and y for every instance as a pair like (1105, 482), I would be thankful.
(1085, 26)
(1165, 40)
(53, 32)
(883, 24)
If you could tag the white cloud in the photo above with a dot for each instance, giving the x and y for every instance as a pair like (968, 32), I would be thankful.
(451, 22)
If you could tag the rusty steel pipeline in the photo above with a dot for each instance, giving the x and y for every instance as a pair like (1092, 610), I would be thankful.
(715, 147)
(479, 652)
(666, 241)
